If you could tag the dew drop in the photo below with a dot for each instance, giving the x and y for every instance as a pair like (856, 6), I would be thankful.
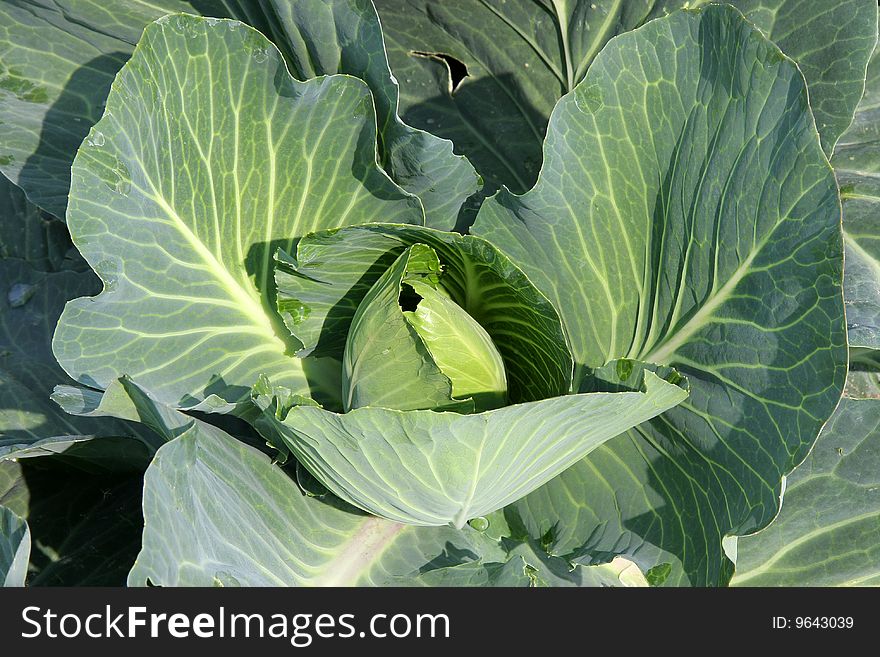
(295, 310)
(588, 98)
(223, 578)
(479, 523)
(96, 139)
(361, 109)
(122, 182)
(20, 293)
(108, 270)
(261, 54)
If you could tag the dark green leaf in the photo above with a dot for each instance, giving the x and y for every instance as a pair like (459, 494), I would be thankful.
(687, 216)
(28, 234)
(857, 165)
(828, 532)
(521, 56)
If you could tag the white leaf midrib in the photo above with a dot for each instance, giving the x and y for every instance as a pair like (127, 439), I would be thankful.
(249, 306)
(358, 553)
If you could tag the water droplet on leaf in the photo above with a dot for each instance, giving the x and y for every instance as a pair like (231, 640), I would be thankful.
(295, 309)
(479, 523)
(108, 270)
(361, 109)
(96, 139)
(588, 98)
(120, 181)
(223, 578)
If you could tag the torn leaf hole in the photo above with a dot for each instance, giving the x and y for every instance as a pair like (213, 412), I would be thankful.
(409, 298)
(455, 68)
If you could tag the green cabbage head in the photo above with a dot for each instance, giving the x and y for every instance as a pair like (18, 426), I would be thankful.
(456, 392)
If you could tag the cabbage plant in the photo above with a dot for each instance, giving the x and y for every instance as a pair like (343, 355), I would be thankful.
(325, 292)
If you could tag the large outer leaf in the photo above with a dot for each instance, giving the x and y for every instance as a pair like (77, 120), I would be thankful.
(57, 60)
(322, 37)
(433, 468)
(208, 158)
(219, 513)
(686, 215)
(857, 164)
(831, 43)
(828, 532)
(522, 55)
(15, 548)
